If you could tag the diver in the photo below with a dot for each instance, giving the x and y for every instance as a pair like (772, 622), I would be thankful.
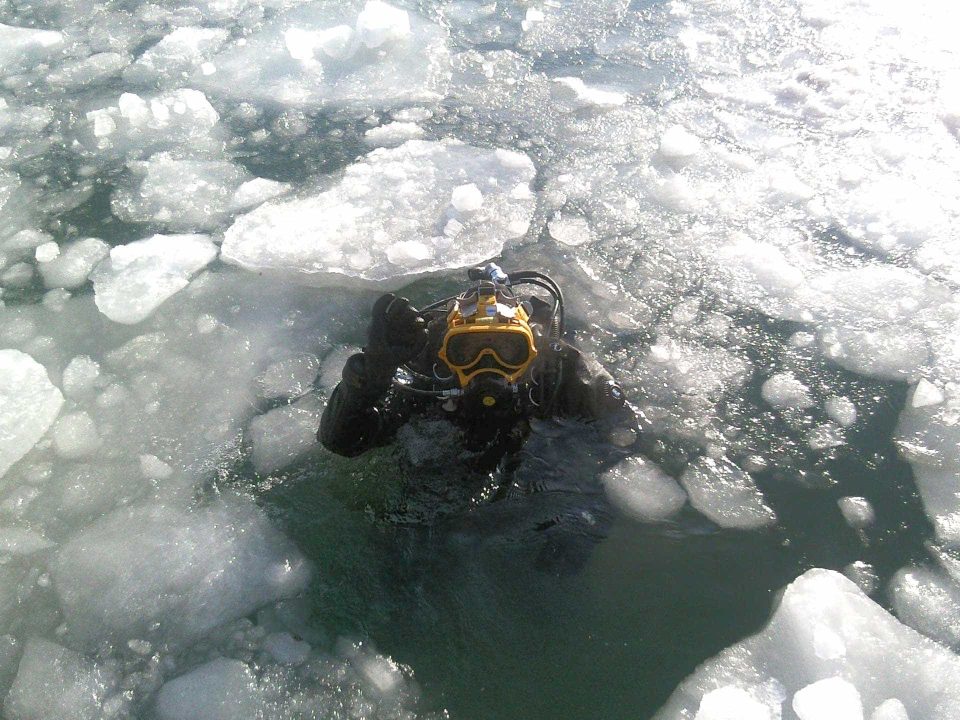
(489, 360)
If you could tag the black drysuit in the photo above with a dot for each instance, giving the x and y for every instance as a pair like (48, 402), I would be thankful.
(366, 409)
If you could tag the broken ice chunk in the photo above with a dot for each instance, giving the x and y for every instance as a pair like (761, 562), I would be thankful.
(857, 511)
(72, 266)
(925, 394)
(466, 198)
(726, 494)
(289, 378)
(75, 436)
(29, 403)
(571, 231)
(380, 23)
(54, 682)
(285, 435)
(583, 96)
(830, 699)
(783, 390)
(393, 204)
(169, 575)
(733, 703)
(392, 134)
(138, 277)
(23, 48)
(18, 541)
(882, 658)
(172, 60)
(643, 490)
(184, 195)
(841, 409)
(679, 145)
(222, 689)
(324, 54)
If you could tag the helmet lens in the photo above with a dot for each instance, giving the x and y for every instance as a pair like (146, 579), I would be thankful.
(465, 348)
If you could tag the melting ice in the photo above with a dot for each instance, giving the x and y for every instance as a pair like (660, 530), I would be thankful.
(753, 210)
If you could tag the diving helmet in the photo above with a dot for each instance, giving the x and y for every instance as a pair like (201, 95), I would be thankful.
(488, 334)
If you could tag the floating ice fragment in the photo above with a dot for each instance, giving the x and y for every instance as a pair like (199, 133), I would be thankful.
(54, 682)
(172, 60)
(883, 658)
(925, 394)
(890, 709)
(285, 435)
(47, 252)
(678, 143)
(392, 134)
(783, 390)
(29, 403)
(75, 436)
(841, 409)
(19, 541)
(585, 96)
(169, 575)
(857, 511)
(571, 231)
(830, 699)
(286, 649)
(726, 494)
(733, 703)
(153, 468)
(642, 490)
(323, 54)
(138, 277)
(390, 205)
(380, 23)
(23, 48)
(466, 198)
(222, 689)
(289, 378)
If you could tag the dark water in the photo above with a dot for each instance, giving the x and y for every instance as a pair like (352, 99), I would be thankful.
(554, 605)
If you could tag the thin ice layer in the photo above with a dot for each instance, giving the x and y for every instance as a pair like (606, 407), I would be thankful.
(29, 403)
(825, 628)
(396, 214)
(165, 573)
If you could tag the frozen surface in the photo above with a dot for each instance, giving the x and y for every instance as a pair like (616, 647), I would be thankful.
(155, 571)
(140, 276)
(29, 403)
(828, 651)
(350, 56)
(751, 207)
(395, 215)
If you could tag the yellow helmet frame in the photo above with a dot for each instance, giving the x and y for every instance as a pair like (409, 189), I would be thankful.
(479, 314)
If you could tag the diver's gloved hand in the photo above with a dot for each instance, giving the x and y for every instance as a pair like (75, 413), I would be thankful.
(397, 334)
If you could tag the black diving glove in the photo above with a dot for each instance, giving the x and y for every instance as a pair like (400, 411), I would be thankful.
(397, 334)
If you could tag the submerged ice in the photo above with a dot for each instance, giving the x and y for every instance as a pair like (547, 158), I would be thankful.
(751, 208)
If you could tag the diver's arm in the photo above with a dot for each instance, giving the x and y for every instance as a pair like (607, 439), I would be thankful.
(352, 420)
(358, 415)
(588, 392)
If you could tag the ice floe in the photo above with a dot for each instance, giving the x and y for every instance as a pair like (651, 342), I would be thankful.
(394, 215)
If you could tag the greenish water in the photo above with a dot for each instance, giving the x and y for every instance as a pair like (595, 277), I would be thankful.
(501, 620)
